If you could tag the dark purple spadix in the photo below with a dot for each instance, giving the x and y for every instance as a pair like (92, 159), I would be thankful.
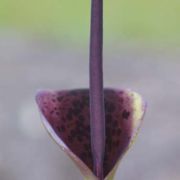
(97, 114)
(66, 116)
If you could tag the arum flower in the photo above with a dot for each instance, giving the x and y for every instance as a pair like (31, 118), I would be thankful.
(66, 116)
(94, 126)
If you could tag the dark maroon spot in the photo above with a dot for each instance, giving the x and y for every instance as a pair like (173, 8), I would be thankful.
(108, 118)
(79, 137)
(81, 118)
(61, 129)
(70, 139)
(60, 98)
(52, 112)
(75, 103)
(109, 107)
(125, 114)
(69, 117)
(115, 123)
(116, 143)
(87, 147)
(57, 113)
(53, 100)
(118, 131)
(83, 155)
(76, 111)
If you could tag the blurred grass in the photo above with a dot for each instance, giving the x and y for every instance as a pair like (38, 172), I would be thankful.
(155, 20)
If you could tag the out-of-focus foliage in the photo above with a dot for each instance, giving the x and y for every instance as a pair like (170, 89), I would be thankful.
(124, 19)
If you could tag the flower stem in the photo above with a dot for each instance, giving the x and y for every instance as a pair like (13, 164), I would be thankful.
(97, 114)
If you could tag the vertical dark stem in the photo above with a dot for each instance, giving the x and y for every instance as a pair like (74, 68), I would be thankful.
(97, 114)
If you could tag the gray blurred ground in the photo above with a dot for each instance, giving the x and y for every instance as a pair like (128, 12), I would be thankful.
(28, 64)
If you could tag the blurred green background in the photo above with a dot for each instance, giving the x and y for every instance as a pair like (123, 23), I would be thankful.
(44, 45)
(140, 20)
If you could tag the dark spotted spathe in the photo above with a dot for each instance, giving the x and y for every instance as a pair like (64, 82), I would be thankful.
(68, 114)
